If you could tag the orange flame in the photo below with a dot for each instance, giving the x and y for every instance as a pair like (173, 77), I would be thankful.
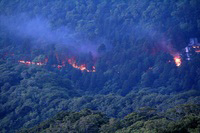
(177, 60)
(81, 67)
(71, 61)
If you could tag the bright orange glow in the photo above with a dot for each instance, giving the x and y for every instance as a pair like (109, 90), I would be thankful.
(71, 61)
(81, 67)
(177, 60)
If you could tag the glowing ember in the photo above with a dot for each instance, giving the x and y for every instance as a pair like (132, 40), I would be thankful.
(177, 60)
(198, 51)
(81, 67)
(71, 61)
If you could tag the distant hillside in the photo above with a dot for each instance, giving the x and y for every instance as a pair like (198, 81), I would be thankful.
(184, 118)
(111, 56)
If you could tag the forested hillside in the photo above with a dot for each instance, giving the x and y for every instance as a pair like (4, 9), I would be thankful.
(183, 118)
(115, 57)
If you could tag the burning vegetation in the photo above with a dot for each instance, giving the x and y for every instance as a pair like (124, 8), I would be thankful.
(177, 60)
(60, 58)
(81, 67)
(71, 61)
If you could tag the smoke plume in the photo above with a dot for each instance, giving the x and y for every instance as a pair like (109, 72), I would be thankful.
(41, 32)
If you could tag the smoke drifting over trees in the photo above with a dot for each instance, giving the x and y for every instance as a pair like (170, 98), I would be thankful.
(40, 32)
(116, 57)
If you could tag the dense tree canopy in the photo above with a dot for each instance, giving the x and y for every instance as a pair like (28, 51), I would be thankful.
(183, 118)
(128, 48)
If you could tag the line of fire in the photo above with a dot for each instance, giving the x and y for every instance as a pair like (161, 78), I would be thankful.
(59, 59)
(86, 63)
(71, 61)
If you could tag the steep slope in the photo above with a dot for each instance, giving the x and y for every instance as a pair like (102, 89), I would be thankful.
(184, 118)
(110, 56)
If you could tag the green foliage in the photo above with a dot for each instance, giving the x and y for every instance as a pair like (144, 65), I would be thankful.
(94, 122)
(134, 69)
(81, 122)
(32, 97)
